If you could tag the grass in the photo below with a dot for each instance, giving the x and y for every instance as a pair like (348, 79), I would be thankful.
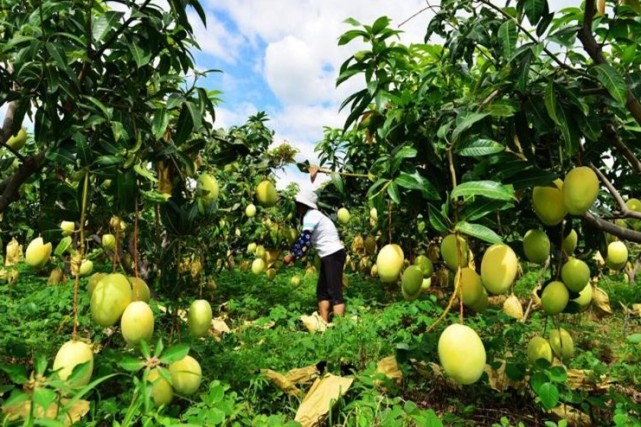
(267, 334)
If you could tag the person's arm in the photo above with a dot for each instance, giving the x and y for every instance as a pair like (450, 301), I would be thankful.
(304, 242)
(300, 247)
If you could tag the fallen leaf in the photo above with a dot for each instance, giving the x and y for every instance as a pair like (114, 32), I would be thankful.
(314, 323)
(388, 366)
(323, 394)
(499, 380)
(573, 416)
(601, 301)
(22, 409)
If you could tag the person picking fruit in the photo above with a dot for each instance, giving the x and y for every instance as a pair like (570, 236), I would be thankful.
(320, 232)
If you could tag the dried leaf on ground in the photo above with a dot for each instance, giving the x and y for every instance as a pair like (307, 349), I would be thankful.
(22, 409)
(282, 382)
(573, 416)
(601, 302)
(580, 379)
(293, 378)
(314, 323)
(388, 366)
(499, 380)
(320, 398)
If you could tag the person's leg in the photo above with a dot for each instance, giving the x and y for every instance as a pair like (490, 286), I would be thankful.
(322, 295)
(333, 265)
(323, 310)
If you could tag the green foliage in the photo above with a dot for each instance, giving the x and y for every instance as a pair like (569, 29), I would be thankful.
(489, 113)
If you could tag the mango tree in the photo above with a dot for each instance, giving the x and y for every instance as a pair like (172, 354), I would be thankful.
(511, 99)
(508, 125)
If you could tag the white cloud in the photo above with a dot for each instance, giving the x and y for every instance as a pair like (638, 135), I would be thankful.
(225, 117)
(302, 57)
(303, 124)
(216, 39)
(294, 72)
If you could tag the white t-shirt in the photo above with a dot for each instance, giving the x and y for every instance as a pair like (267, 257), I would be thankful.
(324, 233)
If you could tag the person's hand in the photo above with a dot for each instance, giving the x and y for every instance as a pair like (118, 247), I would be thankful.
(288, 259)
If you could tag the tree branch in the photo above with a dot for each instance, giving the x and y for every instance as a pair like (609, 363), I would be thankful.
(625, 211)
(615, 230)
(593, 49)
(9, 188)
(5, 131)
(612, 136)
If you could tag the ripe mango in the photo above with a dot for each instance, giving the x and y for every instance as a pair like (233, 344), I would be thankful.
(580, 190)
(462, 354)
(498, 268)
(389, 262)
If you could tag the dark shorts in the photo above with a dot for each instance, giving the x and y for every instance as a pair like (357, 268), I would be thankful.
(330, 279)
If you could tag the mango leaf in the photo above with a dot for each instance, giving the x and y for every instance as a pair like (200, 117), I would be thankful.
(544, 23)
(130, 363)
(507, 38)
(523, 70)
(439, 222)
(17, 374)
(337, 180)
(398, 157)
(58, 54)
(530, 177)
(350, 35)
(160, 122)
(570, 137)
(392, 191)
(196, 114)
(502, 108)
(467, 122)
(64, 244)
(487, 189)
(613, 82)
(160, 346)
(175, 353)
(144, 172)
(482, 207)
(101, 26)
(109, 160)
(139, 54)
(550, 102)
(534, 9)
(480, 147)
(479, 231)
(417, 182)
(549, 395)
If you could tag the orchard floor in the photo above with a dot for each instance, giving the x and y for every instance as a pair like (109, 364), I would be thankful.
(600, 383)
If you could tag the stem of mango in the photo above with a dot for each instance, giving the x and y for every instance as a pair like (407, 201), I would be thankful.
(459, 274)
(136, 255)
(76, 284)
(447, 309)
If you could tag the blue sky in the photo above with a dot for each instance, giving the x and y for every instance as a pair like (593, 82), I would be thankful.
(282, 57)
